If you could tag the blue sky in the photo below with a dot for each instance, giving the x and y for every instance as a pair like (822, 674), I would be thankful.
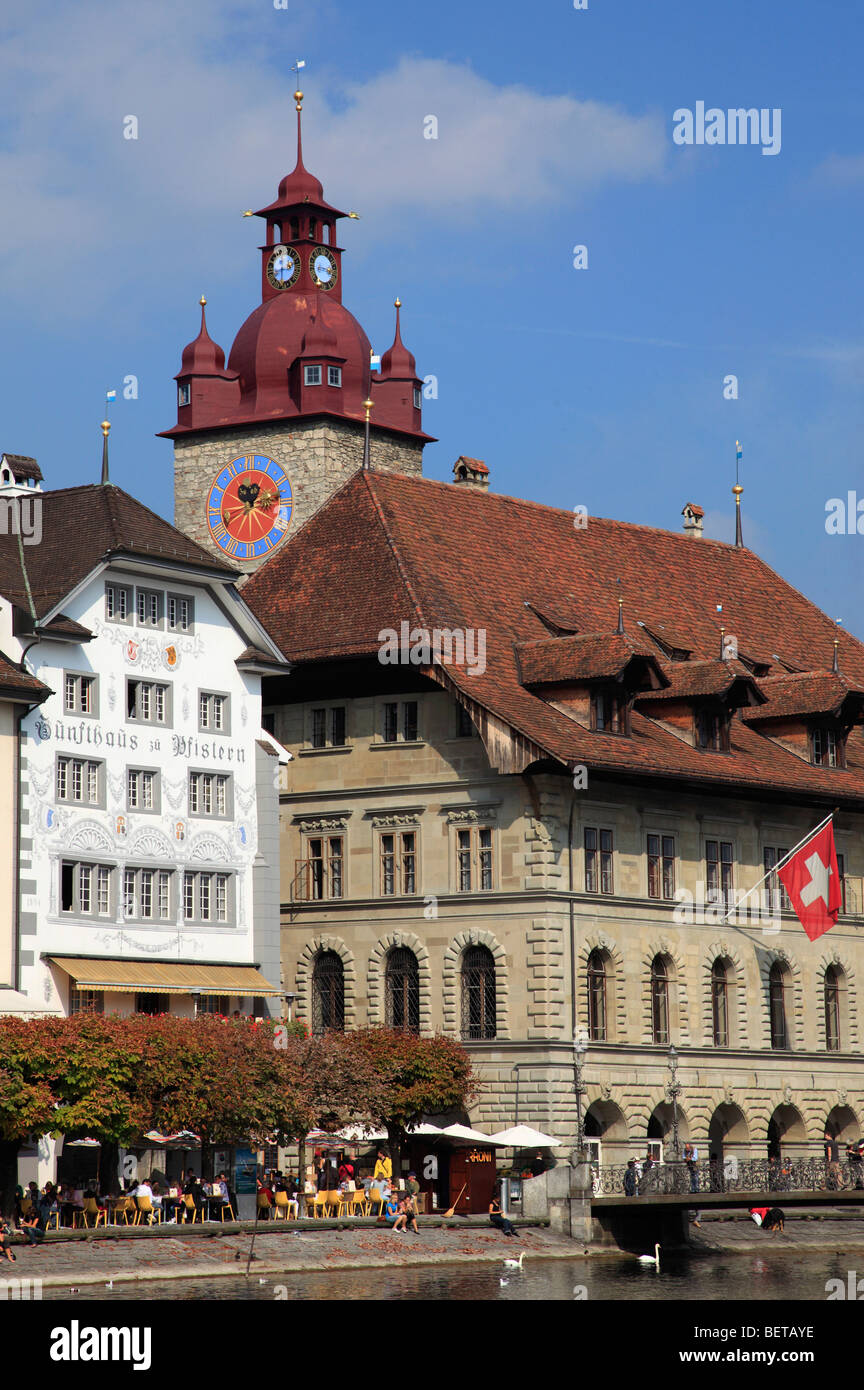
(602, 386)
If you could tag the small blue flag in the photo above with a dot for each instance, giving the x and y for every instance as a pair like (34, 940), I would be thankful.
(737, 450)
(375, 362)
(110, 395)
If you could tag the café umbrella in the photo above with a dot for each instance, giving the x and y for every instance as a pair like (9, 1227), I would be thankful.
(524, 1137)
(471, 1136)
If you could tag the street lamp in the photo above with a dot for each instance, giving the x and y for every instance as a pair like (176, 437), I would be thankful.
(674, 1091)
(578, 1059)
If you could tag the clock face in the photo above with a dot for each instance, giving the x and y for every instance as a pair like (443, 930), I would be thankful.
(283, 267)
(249, 507)
(323, 268)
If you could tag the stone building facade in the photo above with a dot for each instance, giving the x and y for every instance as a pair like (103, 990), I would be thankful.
(318, 456)
(529, 854)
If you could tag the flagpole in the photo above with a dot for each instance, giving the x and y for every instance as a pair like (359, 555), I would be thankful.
(780, 862)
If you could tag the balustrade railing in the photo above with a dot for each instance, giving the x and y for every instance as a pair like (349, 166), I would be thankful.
(732, 1175)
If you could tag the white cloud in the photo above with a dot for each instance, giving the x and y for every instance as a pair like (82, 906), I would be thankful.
(210, 82)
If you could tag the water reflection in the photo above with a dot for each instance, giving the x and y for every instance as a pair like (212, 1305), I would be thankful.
(777, 1276)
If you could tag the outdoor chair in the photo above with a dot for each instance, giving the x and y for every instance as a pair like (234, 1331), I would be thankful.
(146, 1208)
(283, 1206)
(122, 1208)
(264, 1206)
(343, 1202)
(53, 1218)
(189, 1206)
(375, 1200)
(92, 1209)
(358, 1205)
(320, 1204)
(226, 1206)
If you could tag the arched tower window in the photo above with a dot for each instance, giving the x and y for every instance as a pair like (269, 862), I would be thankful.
(778, 985)
(402, 990)
(660, 1000)
(313, 228)
(295, 228)
(275, 233)
(328, 992)
(478, 993)
(598, 1026)
(833, 987)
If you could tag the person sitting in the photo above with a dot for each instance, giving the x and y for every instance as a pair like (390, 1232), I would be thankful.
(409, 1210)
(498, 1219)
(346, 1171)
(392, 1215)
(5, 1241)
(31, 1229)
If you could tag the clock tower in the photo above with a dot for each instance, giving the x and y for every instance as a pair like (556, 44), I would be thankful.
(262, 442)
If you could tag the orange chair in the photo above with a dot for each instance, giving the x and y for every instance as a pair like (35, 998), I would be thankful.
(146, 1208)
(264, 1206)
(285, 1206)
(92, 1208)
(189, 1204)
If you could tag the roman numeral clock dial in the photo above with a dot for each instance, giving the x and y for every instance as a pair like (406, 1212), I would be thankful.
(249, 507)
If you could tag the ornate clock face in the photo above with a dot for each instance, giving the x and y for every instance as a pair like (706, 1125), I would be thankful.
(323, 268)
(249, 507)
(283, 267)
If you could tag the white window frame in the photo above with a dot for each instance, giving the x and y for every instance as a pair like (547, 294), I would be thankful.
(113, 594)
(309, 376)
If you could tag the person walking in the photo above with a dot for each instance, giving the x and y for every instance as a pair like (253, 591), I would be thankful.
(631, 1181)
(832, 1160)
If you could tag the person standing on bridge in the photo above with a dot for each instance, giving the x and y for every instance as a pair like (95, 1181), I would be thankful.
(832, 1159)
(630, 1178)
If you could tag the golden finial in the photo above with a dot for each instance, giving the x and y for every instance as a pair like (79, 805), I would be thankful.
(247, 212)
(298, 99)
(738, 489)
(397, 303)
(367, 406)
(106, 427)
(202, 301)
(355, 215)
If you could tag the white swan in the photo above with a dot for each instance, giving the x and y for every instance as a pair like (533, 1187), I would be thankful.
(515, 1264)
(651, 1259)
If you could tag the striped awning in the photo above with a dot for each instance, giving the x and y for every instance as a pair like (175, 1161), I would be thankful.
(163, 977)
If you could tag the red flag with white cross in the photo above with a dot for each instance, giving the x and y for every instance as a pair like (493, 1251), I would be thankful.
(811, 879)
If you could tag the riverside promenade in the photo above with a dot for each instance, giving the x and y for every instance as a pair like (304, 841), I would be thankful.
(75, 1259)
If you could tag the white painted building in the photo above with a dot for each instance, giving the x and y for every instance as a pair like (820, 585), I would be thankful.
(148, 828)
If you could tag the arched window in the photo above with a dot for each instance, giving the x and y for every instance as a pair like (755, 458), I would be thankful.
(660, 999)
(328, 992)
(295, 228)
(478, 993)
(402, 988)
(325, 233)
(313, 228)
(597, 997)
(275, 233)
(720, 1002)
(833, 987)
(777, 988)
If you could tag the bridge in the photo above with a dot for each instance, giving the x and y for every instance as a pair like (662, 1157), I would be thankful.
(667, 1191)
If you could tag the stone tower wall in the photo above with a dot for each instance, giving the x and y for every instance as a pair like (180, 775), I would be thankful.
(318, 457)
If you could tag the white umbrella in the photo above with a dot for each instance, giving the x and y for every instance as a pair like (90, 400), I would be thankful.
(472, 1135)
(424, 1131)
(524, 1137)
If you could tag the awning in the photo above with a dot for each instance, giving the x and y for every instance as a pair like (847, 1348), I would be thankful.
(162, 977)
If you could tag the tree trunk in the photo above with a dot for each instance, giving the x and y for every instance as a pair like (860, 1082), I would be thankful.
(395, 1136)
(109, 1168)
(9, 1150)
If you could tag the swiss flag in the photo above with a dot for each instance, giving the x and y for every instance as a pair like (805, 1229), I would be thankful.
(811, 879)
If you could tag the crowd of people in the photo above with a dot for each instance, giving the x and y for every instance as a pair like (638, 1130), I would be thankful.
(62, 1205)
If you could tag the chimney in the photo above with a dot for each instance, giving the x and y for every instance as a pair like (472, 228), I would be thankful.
(471, 473)
(693, 515)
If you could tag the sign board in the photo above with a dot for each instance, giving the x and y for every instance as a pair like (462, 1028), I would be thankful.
(246, 1172)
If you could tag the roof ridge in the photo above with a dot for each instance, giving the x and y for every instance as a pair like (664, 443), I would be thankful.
(366, 476)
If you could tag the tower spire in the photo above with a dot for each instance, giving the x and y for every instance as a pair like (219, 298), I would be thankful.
(737, 490)
(106, 430)
(367, 406)
(298, 104)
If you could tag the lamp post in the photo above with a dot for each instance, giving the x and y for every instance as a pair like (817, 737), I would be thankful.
(674, 1092)
(578, 1060)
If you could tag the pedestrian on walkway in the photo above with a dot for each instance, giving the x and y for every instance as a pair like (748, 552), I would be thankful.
(630, 1178)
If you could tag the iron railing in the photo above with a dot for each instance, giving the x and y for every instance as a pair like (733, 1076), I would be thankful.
(738, 1175)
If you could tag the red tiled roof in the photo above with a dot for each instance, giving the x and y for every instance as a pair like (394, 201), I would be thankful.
(594, 656)
(387, 548)
(16, 683)
(809, 693)
(80, 527)
(690, 679)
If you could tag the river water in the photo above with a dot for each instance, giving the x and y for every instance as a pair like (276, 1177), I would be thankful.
(781, 1275)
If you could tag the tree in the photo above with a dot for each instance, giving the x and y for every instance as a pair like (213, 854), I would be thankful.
(27, 1102)
(404, 1077)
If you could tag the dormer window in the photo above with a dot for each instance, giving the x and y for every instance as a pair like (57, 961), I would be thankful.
(311, 376)
(609, 712)
(417, 398)
(712, 731)
(826, 749)
(184, 394)
(334, 376)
